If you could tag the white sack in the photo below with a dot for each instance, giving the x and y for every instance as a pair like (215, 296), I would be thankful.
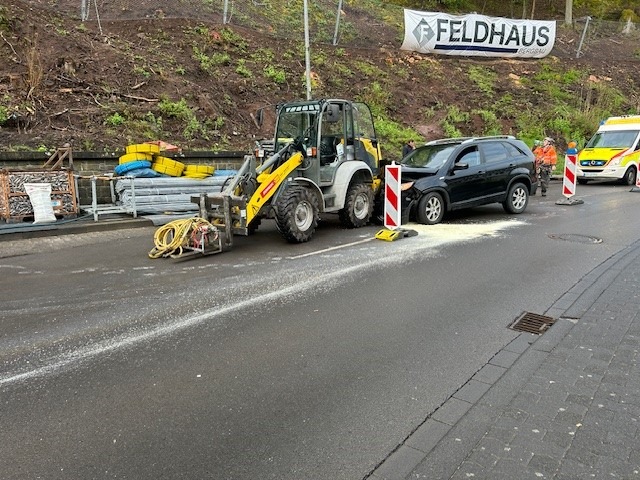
(40, 197)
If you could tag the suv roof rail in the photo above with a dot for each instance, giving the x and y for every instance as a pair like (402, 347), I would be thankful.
(448, 140)
(468, 139)
(490, 137)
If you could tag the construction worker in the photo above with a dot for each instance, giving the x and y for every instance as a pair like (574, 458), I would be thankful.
(546, 158)
(408, 147)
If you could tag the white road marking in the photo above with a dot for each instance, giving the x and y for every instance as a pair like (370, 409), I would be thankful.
(325, 250)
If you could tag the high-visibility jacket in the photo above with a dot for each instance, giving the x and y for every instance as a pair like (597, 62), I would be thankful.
(546, 156)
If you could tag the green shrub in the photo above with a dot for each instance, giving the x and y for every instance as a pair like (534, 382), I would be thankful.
(394, 135)
(179, 109)
(483, 78)
(377, 98)
(232, 38)
(367, 68)
(277, 75)
(492, 125)
(207, 62)
(114, 120)
(192, 128)
(242, 70)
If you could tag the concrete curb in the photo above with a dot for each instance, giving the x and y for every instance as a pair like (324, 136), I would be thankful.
(22, 231)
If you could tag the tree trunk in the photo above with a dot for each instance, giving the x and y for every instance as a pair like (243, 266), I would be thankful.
(568, 13)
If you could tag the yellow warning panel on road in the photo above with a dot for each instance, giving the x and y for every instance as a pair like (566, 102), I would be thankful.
(391, 235)
(388, 235)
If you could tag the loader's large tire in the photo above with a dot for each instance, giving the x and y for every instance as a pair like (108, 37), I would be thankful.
(358, 206)
(297, 214)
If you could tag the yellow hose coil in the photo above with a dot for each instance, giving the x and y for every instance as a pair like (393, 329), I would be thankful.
(206, 169)
(168, 166)
(169, 162)
(135, 157)
(195, 175)
(167, 170)
(143, 148)
(171, 238)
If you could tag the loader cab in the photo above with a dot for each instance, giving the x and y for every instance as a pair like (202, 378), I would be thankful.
(334, 131)
(295, 120)
(349, 127)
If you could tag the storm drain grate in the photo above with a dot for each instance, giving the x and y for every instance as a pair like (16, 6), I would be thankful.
(532, 323)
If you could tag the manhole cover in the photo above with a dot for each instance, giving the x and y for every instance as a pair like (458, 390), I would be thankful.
(532, 323)
(574, 237)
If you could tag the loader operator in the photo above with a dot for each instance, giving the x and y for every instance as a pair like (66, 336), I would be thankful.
(546, 158)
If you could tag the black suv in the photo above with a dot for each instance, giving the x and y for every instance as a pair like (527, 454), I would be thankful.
(455, 173)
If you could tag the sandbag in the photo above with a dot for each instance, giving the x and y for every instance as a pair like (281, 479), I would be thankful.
(40, 197)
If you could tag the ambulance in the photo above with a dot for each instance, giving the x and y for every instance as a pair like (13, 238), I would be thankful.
(613, 152)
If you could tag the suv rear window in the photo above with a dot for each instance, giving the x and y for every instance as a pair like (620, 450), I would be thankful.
(513, 150)
(493, 152)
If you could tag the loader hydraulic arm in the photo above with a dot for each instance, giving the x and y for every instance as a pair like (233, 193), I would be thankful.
(268, 184)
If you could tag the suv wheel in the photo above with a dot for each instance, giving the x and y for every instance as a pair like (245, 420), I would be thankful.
(430, 209)
(517, 198)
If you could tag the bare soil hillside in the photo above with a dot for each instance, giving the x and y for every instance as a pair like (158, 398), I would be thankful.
(198, 85)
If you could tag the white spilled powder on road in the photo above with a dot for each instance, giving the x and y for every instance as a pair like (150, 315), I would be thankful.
(428, 238)
(462, 232)
(431, 237)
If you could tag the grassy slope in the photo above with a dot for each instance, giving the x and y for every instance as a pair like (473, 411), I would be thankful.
(198, 85)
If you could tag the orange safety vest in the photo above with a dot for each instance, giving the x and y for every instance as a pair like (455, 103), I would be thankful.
(546, 156)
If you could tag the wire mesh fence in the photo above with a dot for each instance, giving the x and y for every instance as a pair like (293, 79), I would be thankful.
(598, 38)
(328, 22)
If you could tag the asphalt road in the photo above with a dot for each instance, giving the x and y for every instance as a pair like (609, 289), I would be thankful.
(272, 360)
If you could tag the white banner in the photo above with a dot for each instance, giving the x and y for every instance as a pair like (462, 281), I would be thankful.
(477, 35)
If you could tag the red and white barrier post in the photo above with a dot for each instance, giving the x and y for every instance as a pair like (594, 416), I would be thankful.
(570, 175)
(392, 197)
(570, 170)
(393, 206)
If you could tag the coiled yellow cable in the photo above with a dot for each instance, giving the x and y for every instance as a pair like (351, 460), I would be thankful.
(171, 238)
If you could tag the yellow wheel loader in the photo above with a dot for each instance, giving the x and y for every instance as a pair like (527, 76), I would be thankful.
(327, 160)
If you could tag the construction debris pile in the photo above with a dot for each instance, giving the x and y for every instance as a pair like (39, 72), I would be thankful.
(147, 160)
(156, 184)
